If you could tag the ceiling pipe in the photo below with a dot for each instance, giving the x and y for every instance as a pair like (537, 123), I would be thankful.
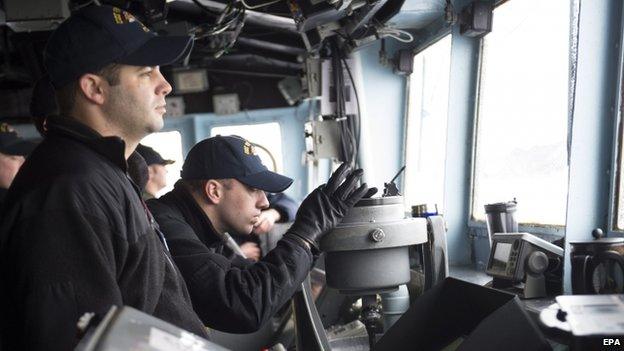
(252, 61)
(254, 17)
(267, 45)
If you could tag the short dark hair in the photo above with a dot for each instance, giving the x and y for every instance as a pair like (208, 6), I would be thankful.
(194, 186)
(66, 96)
(197, 186)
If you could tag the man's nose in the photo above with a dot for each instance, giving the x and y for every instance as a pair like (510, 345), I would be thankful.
(263, 202)
(163, 87)
(21, 159)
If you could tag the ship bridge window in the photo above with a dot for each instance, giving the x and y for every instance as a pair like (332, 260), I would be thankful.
(169, 146)
(522, 112)
(425, 144)
(266, 136)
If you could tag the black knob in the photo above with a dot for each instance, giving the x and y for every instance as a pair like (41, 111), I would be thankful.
(598, 233)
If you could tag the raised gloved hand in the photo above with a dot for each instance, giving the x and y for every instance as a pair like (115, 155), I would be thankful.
(325, 207)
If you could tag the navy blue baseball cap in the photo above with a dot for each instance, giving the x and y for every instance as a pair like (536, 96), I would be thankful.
(231, 156)
(151, 156)
(99, 35)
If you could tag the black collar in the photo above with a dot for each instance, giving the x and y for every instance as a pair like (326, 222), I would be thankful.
(193, 214)
(112, 147)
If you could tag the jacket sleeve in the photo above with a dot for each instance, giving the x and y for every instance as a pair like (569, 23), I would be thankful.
(284, 204)
(232, 297)
(60, 268)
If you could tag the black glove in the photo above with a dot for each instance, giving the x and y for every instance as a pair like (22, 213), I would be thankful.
(325, 207)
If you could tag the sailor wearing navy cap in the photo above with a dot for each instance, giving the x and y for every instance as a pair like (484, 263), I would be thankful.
(222, 190)
(157, 172)
(75, 236)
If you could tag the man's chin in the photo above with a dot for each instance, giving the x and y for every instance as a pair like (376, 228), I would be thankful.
(156, 125)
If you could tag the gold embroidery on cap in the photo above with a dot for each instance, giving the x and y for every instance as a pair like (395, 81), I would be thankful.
(117, 15)
(6, 128)
(123, 17)
(248, 148)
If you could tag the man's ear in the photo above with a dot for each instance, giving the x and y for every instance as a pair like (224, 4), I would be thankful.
(214, 191)
(91, 86)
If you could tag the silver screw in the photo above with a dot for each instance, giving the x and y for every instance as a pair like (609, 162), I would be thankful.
(377, 235)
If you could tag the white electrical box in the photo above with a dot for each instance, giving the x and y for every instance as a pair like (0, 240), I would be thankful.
(323, 139)
(190, 81)
(291, 89)
(328, 91)
(225, 104)
(313, 77)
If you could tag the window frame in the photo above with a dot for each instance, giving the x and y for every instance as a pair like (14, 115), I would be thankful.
(477, 227)
(408, 106)
(617, 135)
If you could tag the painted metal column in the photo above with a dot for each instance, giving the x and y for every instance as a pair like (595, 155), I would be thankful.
(593, 121)
(459, 144)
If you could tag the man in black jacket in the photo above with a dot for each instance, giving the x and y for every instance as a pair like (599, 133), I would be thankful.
(222, 190)
(75, 236)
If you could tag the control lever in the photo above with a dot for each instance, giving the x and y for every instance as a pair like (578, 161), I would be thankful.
(391, 189)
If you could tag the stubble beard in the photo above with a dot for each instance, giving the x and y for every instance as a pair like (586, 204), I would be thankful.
(129, 116)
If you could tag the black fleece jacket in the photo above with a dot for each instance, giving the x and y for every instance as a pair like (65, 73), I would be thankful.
(75, 237)
(229, 294)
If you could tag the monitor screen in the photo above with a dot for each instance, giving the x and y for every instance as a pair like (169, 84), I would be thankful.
(500, 257)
